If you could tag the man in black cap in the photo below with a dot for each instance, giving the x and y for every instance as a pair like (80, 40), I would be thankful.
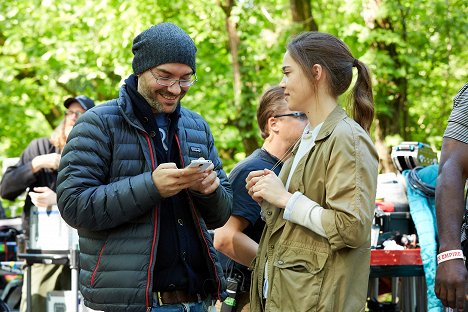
(124, 182)
(84, 101)
(36, 171)
(76, 106)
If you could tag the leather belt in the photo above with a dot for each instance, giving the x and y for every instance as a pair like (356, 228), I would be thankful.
(176, 297)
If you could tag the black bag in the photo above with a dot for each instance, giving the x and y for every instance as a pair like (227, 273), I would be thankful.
(4, 307)
(8, 243)
(11, 296)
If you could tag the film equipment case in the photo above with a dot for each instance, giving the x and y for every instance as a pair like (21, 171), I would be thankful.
(52, 241)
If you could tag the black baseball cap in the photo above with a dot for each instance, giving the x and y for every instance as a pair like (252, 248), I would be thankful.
(84, 101)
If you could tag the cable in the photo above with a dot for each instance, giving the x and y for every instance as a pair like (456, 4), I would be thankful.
(416, 182)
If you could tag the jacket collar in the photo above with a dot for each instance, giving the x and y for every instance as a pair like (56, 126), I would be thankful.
(125, 103)
(330, 123)
(328, 126)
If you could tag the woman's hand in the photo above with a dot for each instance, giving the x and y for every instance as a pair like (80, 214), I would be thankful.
(265, 185)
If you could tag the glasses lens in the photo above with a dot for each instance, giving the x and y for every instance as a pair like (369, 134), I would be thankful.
(188, 83)
(70, 113)
(185, 83)
(165, 81)
(301, 116)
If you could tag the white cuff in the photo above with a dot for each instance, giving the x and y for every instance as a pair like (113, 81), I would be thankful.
(290, 205)
(305, 212)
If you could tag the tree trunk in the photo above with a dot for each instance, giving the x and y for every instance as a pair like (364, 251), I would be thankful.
(249, 142)
(385, 160)
(302, 14)
(395, 87)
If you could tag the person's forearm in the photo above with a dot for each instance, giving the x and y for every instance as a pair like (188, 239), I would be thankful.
(36, 165)
(449, 206)
(306, 212)
(244, 249)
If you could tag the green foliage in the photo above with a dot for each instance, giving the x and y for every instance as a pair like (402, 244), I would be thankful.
(52, 49)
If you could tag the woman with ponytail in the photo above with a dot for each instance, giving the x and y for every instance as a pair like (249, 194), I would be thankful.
(315, 250)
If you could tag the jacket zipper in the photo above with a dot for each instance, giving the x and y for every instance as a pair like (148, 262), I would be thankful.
(97, 265)
(149, 303)
(198, 224)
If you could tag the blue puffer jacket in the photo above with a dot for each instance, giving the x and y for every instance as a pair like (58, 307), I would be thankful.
(105, 190)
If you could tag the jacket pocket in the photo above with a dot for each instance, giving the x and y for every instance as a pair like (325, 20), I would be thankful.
(297, 279)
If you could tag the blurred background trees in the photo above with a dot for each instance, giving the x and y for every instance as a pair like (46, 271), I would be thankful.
(51, 49)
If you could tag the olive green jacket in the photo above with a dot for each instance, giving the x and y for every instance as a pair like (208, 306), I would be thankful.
(307, 272)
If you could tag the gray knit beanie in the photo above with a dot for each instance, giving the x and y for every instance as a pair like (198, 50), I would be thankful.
(162, 44)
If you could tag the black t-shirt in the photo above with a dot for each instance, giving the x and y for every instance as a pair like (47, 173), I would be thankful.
(243, 205)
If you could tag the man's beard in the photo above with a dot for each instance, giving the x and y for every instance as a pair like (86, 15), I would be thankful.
(156, 105)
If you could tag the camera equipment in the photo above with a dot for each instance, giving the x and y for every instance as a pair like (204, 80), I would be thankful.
(409, 155)
(233, 287)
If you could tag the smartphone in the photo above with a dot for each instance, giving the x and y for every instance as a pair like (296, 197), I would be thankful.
(202, 164)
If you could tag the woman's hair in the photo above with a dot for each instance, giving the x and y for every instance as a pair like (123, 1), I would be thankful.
(271, 103)
(58, 138)
(310, 48)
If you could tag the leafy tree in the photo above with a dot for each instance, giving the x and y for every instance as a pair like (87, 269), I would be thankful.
(52, 49)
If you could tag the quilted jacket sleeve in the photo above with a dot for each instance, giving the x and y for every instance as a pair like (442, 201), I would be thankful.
(87, 198)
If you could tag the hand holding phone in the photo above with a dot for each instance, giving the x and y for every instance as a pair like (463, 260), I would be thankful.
(202, 164)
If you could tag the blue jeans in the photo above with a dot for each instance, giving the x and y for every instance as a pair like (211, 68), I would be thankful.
(201, 306)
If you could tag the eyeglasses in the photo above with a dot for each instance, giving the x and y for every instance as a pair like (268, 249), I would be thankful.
(295, 115)
(167, 82)
(70, 113)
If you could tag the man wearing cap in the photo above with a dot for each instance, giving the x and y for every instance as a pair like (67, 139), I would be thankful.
(76, 106)
(142, 215)
(84, 101)
(36, 171)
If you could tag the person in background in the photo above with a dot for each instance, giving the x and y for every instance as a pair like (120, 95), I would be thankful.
(36, 173)
(315, 251)
(451, 284)
(142, 213)
(238, 238)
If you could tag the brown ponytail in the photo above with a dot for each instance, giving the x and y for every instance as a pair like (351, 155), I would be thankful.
(363, 108)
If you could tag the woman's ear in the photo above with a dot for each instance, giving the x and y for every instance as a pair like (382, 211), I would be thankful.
(317, 71)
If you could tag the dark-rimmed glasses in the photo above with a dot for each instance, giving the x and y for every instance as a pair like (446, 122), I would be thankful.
(295, 115)
(70, 113)
(167, 82)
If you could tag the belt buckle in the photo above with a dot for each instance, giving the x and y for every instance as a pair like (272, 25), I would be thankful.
(159, 298)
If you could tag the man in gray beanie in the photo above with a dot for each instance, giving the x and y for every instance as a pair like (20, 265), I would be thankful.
(126, 183)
